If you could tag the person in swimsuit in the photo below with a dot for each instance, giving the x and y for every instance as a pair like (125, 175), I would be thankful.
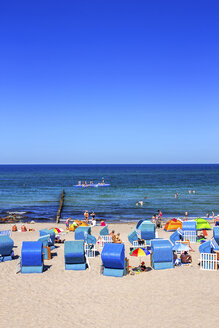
(86, 216)
(186, 258)
(67, 222)
(117, 239)
(93, 215)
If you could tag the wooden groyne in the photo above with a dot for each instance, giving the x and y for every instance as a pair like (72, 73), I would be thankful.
(61, 203)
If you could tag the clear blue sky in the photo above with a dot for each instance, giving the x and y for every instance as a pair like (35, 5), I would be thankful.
(109, 81)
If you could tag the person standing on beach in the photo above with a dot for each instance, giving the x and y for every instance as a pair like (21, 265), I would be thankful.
(160, 214)
(93, 221)
(67, 222)
(186, 215)
(93, 215)
(86, 216)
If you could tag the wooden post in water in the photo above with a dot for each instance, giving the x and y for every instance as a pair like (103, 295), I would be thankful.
(61, 203)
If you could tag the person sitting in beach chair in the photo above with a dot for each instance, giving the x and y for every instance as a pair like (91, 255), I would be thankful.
(112, 233)
(185, 258)
(141, 242)
(117, 239)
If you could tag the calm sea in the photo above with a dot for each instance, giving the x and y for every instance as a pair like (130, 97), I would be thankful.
(36, 189)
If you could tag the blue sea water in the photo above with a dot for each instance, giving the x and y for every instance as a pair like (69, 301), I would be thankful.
(36, 189)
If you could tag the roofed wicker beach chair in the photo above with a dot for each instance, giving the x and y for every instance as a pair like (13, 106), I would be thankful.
(74, 253)
(32, 257)
(105, 237)
(114, 262)
(6, 248)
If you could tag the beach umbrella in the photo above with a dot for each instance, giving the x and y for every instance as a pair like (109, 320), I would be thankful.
(180, 247)
(56, 230)
(139, 252)
(202, 224)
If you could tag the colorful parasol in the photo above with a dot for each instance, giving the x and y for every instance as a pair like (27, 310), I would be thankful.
(139, 252)
(56, 230)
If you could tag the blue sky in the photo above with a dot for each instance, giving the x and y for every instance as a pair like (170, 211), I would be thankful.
(109, 81)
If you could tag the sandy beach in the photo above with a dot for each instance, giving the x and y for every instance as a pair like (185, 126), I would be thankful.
(180, 297)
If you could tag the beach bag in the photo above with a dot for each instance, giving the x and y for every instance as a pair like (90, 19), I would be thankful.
(14, 227)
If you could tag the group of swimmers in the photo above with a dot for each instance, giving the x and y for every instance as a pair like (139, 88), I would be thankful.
(85, 183)
(190, 191)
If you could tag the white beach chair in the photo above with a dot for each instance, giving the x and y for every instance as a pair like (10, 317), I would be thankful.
(208, 261)
(90, 252)
(105, 239)
(191, 236)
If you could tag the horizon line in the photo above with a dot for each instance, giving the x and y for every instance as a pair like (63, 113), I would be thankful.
(1, 164)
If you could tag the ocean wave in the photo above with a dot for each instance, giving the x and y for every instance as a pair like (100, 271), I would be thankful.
(17, 213)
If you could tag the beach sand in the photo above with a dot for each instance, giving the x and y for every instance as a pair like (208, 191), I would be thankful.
(180, 297)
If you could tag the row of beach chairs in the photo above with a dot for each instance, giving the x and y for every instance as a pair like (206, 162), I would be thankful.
(78, 251)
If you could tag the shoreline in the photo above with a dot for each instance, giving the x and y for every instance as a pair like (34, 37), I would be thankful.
(107, 221)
